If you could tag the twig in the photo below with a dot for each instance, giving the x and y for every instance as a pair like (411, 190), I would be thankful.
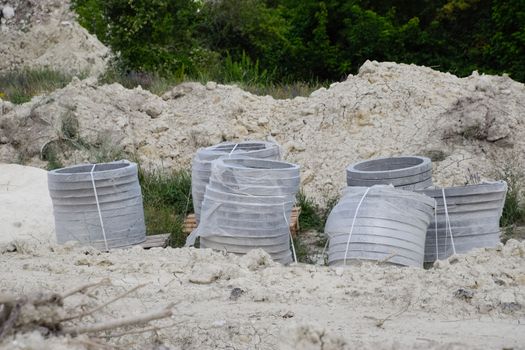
(381, 321)
(84, 287)
(382, 261)
(96, 345)
(138, 331)
(89, 312)
(123, 322)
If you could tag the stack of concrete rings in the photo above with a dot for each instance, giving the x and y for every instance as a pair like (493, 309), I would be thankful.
(407, 172)
(247, 205)
(201, 165)
(119, 215)
(474, 212)
(380, 223)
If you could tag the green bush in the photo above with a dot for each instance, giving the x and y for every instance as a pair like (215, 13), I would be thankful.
(282, 41)
(147, 35)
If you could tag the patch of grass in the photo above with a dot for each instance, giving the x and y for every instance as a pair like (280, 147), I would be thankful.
(514, 210)
(50, 153)
(246, 75)
(154, 83)
(313, 216)
(20, 86)
(167, 201)
(310, 218)
(283, 91)
(301, 251)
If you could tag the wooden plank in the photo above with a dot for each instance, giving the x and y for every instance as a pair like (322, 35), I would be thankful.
(190, 224)
(154, 241)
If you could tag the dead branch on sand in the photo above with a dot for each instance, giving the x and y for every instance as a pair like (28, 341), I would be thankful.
(21, 314)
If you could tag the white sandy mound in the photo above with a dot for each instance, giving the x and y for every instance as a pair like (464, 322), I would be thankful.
(469, 126)
(45, 34)
(26, 209)
(474, 301)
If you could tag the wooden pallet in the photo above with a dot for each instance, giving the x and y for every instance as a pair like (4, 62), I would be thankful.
(154, 241)
(190, 224)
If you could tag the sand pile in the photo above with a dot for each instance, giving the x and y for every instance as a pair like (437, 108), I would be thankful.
(26, 208)
(223, 301)
(467, 126)
(44, 33)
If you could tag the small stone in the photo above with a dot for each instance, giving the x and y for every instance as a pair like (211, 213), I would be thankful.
(8, 12)
(464, 294)
(288, 314)
(211, 85)
(262, 121)
(205, 274)
(11, 248)
(154, 110)
(236, 293)
(339, 271)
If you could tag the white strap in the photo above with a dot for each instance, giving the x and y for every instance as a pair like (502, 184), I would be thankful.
(98, 207)
(353, 223)
(290, 232)
(447, 221)
(436, 229)
(233, 150)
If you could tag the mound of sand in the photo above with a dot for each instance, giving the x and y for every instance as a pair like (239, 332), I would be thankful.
(26, 209)
(223, 301)
(45, 34)
(468, 126)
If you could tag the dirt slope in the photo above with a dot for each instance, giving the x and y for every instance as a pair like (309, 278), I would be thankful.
(469, 126)
(44, 33)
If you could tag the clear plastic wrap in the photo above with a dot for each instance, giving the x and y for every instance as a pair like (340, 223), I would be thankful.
(248, 204)
(473, 214)
(379, 223)
(201, 165)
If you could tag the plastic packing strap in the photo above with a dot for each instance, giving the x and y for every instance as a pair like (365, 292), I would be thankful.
(436, 229)
(353, 223)
(290, 232)
(233, 150)
(98, 207)
(447, 221)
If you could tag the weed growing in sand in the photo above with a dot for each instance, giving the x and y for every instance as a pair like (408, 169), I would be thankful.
(310, 218)
(313, 216)
(301, 251)
(167, 201)
(514, 209)
(20, 86)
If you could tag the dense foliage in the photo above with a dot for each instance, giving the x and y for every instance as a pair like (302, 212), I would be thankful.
(289, 40)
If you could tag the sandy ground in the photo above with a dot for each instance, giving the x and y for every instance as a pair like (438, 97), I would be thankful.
(26, 211)
(476, 301)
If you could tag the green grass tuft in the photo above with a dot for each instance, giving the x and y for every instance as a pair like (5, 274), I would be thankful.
(20, 86)
(514, 209)
(167, 200)
(310, 218)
